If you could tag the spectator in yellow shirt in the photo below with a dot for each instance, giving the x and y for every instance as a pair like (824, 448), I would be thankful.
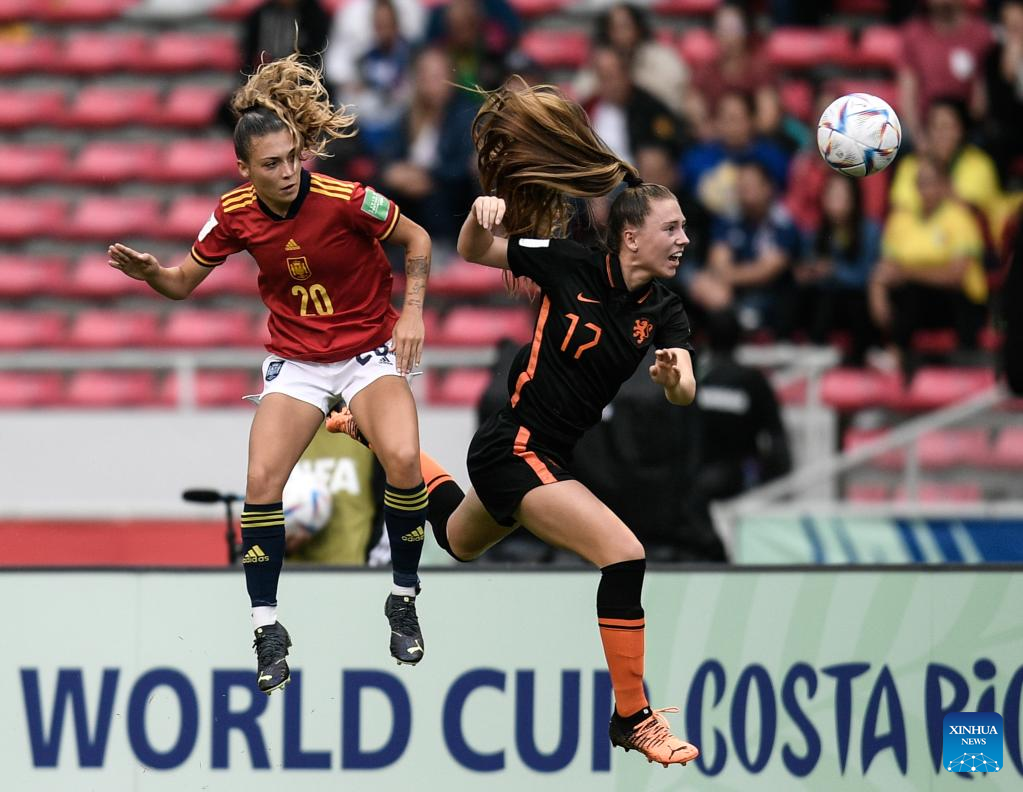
(930, 274)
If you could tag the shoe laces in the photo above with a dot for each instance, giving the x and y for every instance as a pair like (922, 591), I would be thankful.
(654, 730)
(270, 646)
(403, 617)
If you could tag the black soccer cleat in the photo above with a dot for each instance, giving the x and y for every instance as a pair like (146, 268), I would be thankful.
(406, 638)
(271, 645)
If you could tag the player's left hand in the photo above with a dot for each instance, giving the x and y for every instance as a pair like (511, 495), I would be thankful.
(665, 371)
(409, 332)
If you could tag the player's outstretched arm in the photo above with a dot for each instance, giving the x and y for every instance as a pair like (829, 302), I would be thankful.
(673, 371)
(409, 330)
(476, 240)
(173, 282)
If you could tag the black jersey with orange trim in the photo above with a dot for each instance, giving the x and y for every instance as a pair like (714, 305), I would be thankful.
(590, 335)
(322, 271)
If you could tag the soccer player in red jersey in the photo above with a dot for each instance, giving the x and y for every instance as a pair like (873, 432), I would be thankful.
(333, 332)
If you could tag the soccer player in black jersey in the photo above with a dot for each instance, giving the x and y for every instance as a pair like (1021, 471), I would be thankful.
(600, 312)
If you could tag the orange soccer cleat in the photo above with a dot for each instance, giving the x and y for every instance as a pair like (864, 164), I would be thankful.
(341, 421)
(652, 737)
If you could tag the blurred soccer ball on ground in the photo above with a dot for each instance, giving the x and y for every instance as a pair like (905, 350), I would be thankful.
(859, 134)
(307, 503)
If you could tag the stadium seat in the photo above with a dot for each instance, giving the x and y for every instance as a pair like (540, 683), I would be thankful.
(193, 51)
(27, 329)
(16, 10)
(37, 162)
(486, 326)
(106, 162)
(460, 388)
(856, 438)
(883, 89)
(23, 277)
(21, 389)
(111, 329)
(90, 53)
(953, 447)
(686, 7)
(932, 388)
(940, 492)
(23, 219)
(199, 327)
(806, 48)
(30, 108)
(57, 12)
(697, 46)
(797, 99)
(538, 8)
(93, 278)
(880, 45)
(851, 389)
(874, 8)
(867, 493)
(192, 105)
(199, 160)
(111, 219)
(554, 49)
(186, 216)
(112, 389)
(464, 279)
(29, 55)
(235, 10)
(213, 388)
(105, 107)
(1008, 449)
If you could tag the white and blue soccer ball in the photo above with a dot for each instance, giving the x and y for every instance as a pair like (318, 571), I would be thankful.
(307, 502)
(859, 134)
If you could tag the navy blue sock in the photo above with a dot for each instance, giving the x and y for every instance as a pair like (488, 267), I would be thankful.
(262, 550)
(405, 517)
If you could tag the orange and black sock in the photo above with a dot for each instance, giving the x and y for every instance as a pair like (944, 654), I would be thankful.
(621, 622)
(445, 495)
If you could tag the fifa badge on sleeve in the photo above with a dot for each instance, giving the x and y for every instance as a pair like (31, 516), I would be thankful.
(971, 742)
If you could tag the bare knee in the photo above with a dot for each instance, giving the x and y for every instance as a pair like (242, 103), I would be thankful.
(264, 485)
(626, 548)
(401, 464)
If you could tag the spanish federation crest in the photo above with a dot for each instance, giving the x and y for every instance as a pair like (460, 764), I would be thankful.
(298, 268)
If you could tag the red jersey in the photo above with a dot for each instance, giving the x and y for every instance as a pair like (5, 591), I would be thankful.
(322, 271)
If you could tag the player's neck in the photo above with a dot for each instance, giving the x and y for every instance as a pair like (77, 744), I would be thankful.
(633, 274)
(278, 208)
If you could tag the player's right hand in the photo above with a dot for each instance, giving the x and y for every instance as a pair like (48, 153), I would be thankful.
(141, 266)
(488, 211)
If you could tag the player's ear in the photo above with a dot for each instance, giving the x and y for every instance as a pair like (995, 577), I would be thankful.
(629, 237)
(243, 169)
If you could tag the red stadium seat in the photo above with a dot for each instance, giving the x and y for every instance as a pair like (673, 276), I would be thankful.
(952, 447)
(198, 327)
(939, 387)
(27, 218)
(806, 48)
(867, 493)
(16, 10)
(93, 278)
(193, 51)
(29, 276)
(112, 389)
(883, 89)
(460, 388)
(192, 105)
(199, 160)
(30, 55)
(186, 216)
(213, 388)
(556, 48)
(697, 46)
(850, 389)
(20, 389)
(686, 7)
(538, 8)
(27, 329)
(236, 10)
(874, 8)
(486, 326)
(110, 219)
(237, 276)
(111, 329)
(797, 99)
(98, 53)
(24, 108)
(856, 438)
(24, 164)
(1008, 450)
(464, 279)
(105, 162)
(938, 492)
(63, 11)
(880, 45)
(103, 107)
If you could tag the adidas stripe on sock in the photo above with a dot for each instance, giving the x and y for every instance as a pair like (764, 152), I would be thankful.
(262, 550)
(405, 513)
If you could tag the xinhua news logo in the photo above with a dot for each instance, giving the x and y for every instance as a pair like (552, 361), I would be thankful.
(972, 742)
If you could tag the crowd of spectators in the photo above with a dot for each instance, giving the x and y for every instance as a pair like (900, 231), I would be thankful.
(797, 252)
